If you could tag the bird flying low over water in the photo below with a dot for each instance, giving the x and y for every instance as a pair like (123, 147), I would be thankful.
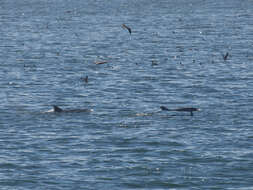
(128, 28)
(225, 57)
(100, 62)
(189, 109)
(85, 79)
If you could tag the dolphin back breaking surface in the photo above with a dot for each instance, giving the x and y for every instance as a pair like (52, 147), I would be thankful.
(57, 109)
(187, 109)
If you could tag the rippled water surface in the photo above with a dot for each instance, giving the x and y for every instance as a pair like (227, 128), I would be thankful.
(174, 57)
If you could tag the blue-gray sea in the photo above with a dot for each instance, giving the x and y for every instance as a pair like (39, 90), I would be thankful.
(180, 53)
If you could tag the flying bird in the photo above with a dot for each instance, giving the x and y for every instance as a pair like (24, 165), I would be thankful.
(225, 57)
(85, 79)
(100, 62)
(126, 27)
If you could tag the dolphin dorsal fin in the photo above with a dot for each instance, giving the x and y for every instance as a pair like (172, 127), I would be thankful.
(57, 109)
(164, 108)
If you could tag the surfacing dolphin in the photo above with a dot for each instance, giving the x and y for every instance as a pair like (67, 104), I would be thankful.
(59, 110)
(191, 110)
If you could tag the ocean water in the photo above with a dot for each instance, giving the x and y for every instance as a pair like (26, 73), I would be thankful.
(174, 57)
